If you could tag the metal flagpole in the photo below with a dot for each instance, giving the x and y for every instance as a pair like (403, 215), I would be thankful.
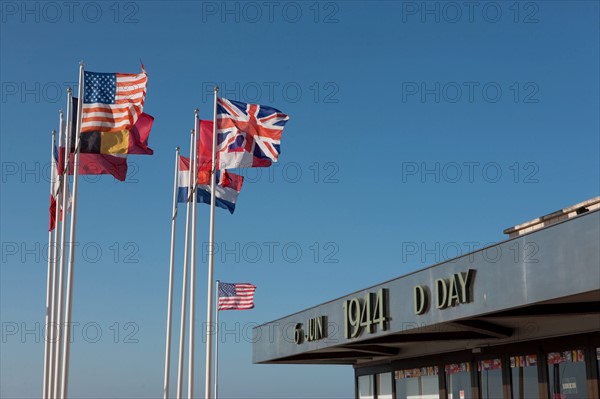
(69, 292)
(52, 327)
(49, 278)
(62, 259)
(217, 344)
(194, 173)
(185, 273)
(211, 257)
(171, 272)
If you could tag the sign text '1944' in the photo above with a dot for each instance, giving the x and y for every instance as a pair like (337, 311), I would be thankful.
(366, 312)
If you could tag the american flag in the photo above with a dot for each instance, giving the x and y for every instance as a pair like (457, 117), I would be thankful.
(248, 135)
(112, 101)
(236, 296)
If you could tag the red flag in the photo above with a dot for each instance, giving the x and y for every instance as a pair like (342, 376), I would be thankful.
(52, 210)
(55, 188)
(97, 164)
(138, 135)
(205, 145)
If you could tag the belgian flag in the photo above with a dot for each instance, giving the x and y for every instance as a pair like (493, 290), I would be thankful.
(106, 152)
(124, 142)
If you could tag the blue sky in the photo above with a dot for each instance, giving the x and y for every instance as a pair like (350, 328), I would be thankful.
(417, 131)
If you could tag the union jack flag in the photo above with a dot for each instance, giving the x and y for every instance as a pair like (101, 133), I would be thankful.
(248, 135)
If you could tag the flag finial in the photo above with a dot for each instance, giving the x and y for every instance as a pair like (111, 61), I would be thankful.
(70, 90)
(216, 89)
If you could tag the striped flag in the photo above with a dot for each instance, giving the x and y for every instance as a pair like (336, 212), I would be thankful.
(227, 190)
(112, 101)
(123, 142)
(236, 296)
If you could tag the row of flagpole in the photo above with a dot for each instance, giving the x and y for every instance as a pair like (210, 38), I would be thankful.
(185, 282)
(192, 322)
(52, 239)
(108, 99)
(58, 308)
(71, 268)
(211, 256)
(171, 275)
(60, 278)
(189, 267)
(59, 300)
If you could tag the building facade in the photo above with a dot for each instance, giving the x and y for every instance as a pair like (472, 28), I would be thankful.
(518, 319)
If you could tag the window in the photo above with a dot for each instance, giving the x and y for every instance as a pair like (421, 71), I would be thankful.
(524, 376)
(490, 378)
(458, 379)
(598, 361)
(567, 375)
(420, 383)
(365, 387)
(384, 386)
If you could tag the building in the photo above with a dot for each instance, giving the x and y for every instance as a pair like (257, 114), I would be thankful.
(519, 319)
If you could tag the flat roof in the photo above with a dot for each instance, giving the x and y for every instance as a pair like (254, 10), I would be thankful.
(512, 291)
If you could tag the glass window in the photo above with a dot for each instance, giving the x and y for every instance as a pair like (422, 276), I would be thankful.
(458, 380)
(365, 387)
(490, 378)
(384, 386)
(598, 360)
(420, 383)
(567, 375)
(524, 375)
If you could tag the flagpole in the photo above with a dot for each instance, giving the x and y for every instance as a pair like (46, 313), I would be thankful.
(63, 235)
(211, 256)
(185, 274)
(71, 266)
(194, 172)
(217, 344)
(49, 278)
(57, 242)
(171, 272)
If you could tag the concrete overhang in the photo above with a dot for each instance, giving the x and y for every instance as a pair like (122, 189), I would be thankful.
(542, 284)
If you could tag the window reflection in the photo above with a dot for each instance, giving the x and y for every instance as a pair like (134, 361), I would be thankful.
(598, 361)
(458, 377)
(524, 377)
(567, 375)
(418, 383)
(384, 386)
(365, 387)
(490, 378)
